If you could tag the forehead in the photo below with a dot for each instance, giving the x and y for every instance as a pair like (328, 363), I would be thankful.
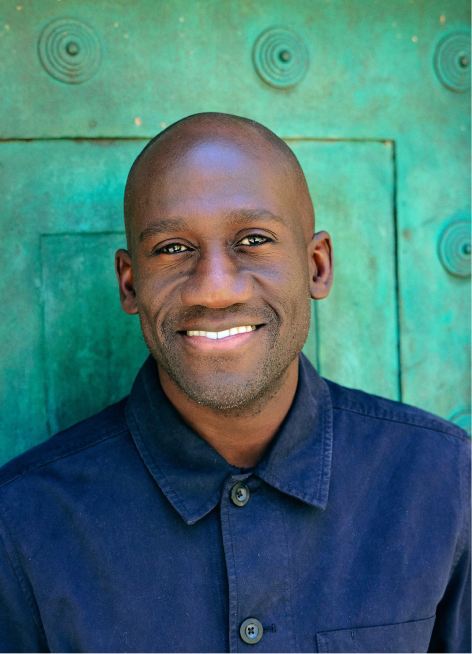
(212, 177)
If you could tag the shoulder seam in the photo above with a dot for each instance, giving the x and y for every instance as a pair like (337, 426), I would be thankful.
(402, 422)
(62, 455)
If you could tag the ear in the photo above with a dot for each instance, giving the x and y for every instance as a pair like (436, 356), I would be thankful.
(320, 263)
(124, 274)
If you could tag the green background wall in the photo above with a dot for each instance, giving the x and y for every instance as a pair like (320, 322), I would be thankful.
(373, 97)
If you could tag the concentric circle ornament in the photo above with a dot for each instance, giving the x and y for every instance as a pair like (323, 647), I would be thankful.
(452, 62)
(463, 420)
(280, 57)
(455, 248)
(70, 50)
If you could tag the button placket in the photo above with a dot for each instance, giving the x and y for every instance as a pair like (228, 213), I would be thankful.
(257, 563)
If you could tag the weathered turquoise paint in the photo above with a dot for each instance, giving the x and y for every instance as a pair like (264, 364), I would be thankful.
(352, 184)
(93, 350)
(384, 144)
(51, 190)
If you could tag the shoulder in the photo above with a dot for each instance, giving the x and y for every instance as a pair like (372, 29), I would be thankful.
(394, 417)
(108, 424)
(427, 458)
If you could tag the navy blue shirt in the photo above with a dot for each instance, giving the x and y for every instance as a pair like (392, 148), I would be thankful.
(121, 535)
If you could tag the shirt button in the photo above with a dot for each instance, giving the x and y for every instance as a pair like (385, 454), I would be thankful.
(240, 494)
(251, 631)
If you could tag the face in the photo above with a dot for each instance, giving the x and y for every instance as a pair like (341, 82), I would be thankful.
(219, 274)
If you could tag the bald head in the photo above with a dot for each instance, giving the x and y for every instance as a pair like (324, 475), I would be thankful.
(186, 140)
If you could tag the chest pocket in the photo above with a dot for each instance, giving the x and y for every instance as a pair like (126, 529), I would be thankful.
(401, 637)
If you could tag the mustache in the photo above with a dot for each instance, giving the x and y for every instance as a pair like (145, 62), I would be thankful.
(261, 313)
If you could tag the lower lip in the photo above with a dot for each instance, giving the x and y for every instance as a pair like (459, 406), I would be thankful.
(220, 344)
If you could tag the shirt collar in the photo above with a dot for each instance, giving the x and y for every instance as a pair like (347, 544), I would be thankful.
(191, 473)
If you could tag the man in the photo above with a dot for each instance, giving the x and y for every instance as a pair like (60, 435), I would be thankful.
(236, 501)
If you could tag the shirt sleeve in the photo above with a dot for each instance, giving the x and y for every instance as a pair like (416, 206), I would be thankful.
(19, 631)
(452, 629)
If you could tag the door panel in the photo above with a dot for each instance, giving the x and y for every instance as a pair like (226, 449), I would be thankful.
(160, 61)
(72, 348)
(435, 307)
(48, 188)
(93, 350)
(352, 187)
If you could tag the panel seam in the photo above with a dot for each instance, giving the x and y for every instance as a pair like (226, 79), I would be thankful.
(401, 422)
(62, 455)
(397, 269)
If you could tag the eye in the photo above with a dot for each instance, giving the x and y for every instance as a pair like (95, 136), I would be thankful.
(173, 248)
(254, 239)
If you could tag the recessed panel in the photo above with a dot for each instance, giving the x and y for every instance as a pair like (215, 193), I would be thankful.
(47, 187)
(351, 185)
(93, 349)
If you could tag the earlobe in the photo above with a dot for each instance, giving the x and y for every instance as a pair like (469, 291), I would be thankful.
(124, 274)
(320, 262)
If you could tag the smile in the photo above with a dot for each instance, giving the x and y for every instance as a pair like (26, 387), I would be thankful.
(224, 334)
(227, 340)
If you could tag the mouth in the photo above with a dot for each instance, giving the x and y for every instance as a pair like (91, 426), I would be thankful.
(214, 336)
(227, 339)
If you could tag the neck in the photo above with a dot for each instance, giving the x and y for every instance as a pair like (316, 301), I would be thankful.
(241, 435)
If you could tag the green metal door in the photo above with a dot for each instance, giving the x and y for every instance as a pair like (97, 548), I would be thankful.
(371, 96)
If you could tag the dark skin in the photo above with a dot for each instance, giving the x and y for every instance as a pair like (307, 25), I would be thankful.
(220, 237)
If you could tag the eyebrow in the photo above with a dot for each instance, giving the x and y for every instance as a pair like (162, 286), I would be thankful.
(163, 227)
(237, 216)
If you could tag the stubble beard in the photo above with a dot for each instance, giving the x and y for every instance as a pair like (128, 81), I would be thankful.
(222, 393)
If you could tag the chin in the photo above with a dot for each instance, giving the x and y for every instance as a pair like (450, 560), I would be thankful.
(228, 383)
(221, 396)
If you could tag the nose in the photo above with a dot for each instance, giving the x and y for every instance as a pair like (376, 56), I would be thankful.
(216, 281)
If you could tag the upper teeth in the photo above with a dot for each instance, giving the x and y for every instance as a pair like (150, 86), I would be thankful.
(224, 334)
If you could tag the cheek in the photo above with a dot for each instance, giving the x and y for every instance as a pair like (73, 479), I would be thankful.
(155, 296)
(290, 280)
(296, 299)
(300, 307)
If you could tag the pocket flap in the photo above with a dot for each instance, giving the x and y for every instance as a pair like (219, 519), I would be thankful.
(401, 637)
